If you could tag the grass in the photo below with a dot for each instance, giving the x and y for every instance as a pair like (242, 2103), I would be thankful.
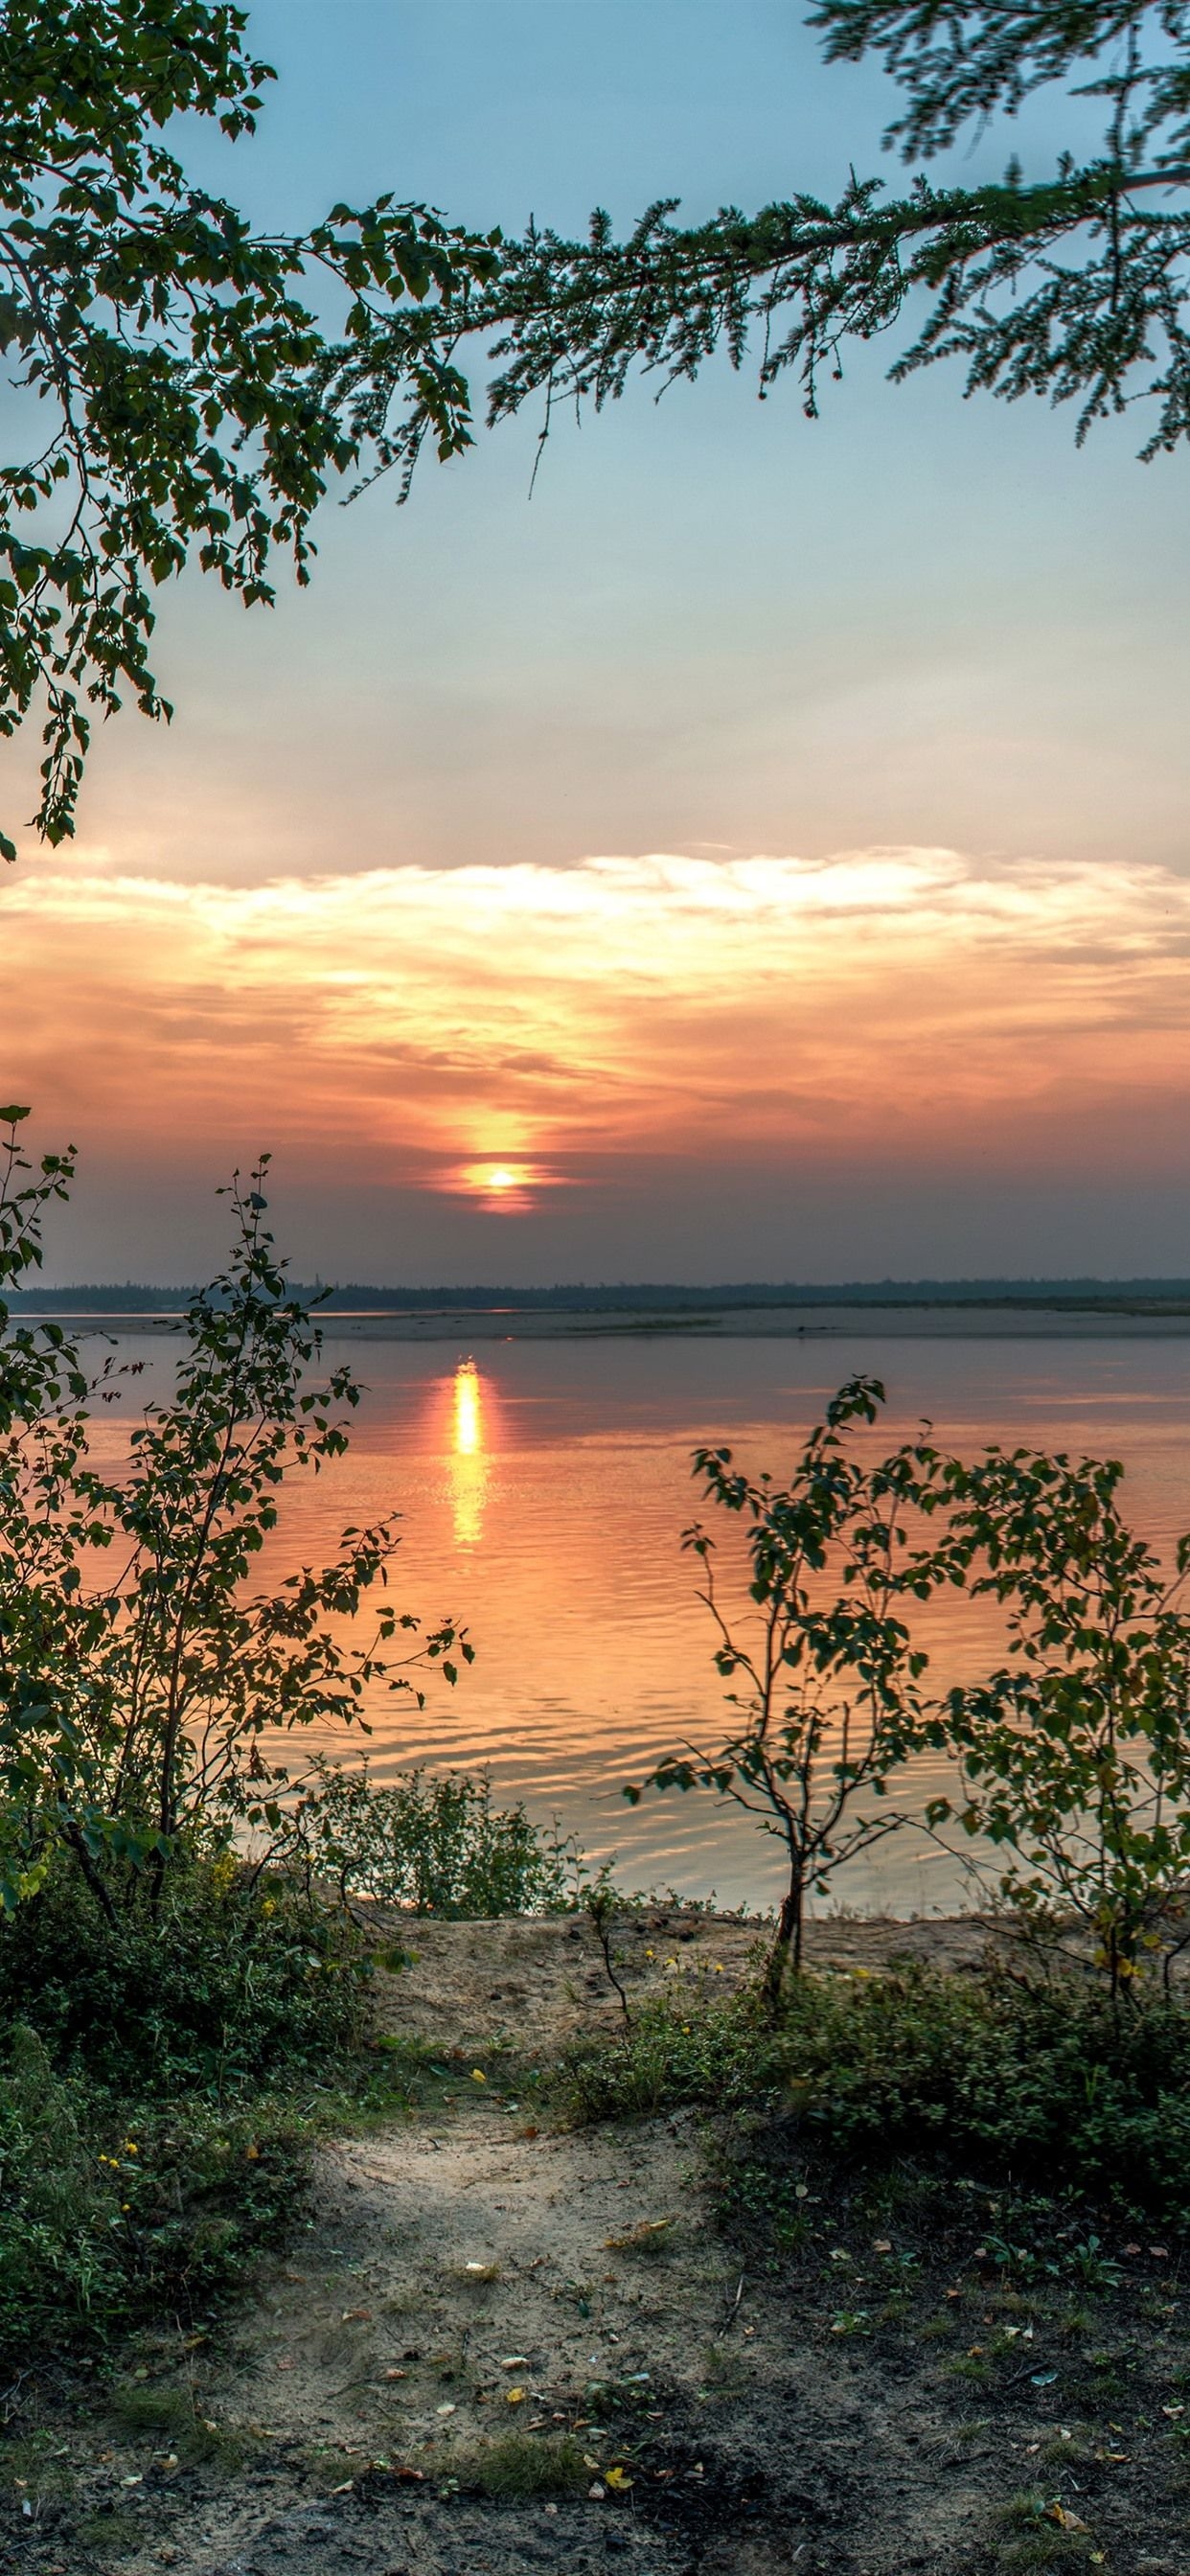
(1040, 2531)
(169, 2417)
(978, 2074)
(106, 2532)
(160, 2096)
(517, 2466)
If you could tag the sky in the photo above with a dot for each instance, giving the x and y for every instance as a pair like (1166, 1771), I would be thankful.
(760, 853)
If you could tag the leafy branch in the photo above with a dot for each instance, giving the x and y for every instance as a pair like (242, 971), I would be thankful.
(1072, 285)
(189, 414)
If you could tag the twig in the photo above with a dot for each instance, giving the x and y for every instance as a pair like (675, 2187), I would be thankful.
(733, 2307)
(600, 1907)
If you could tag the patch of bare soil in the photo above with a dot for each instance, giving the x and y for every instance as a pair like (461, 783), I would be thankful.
(534, 1984)
(667, 2346)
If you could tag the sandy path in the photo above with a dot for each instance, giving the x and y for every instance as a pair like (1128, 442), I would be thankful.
(469, 2276)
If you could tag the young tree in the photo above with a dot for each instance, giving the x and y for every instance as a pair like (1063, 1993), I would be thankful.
(1072, 283)
(1075, 1752)
(191, 408)
(826, 1704)
(142, 1682)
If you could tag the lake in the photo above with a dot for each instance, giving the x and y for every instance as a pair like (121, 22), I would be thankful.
(544, 1484)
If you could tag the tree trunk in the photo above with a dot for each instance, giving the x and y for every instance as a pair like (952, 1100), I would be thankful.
(786, 1952)
(91, 1874)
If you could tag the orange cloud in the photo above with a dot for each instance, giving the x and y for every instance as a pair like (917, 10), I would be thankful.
(550, 1022)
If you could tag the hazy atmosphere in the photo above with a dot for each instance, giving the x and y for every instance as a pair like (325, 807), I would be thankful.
(763, 849)
(594, 1288)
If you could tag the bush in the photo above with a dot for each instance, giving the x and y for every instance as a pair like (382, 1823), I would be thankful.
(229, 1986)
(112, 2212)
(1043, 2085)
(1046, 2083)
(429, 1845)
(161, 2083)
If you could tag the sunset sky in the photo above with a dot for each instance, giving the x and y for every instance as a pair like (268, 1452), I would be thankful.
(762, 853)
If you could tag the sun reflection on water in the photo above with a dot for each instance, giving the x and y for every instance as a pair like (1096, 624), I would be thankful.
(468, 1462)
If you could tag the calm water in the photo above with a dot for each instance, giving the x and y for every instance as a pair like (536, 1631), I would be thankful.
(543, 1493)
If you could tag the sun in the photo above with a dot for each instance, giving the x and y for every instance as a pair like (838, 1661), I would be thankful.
(512, 1188)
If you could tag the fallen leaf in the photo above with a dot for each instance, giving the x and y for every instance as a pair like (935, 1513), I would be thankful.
(396, 2374)
(356, 2317)
(619, 2481)
(514, 2396)
(515, 2361)
(448, 2409)
(596, 2494)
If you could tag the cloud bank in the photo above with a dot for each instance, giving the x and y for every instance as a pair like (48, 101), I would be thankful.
(907, 1007)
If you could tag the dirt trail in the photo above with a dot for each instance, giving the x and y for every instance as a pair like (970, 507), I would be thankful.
(475, 2295)
(468, 2278)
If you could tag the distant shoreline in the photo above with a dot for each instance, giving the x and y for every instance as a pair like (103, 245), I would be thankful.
(901, 1319)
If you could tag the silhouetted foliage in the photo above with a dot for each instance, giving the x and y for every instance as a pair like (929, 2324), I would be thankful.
(189, 412)
(141, 1681)
(1072, 284)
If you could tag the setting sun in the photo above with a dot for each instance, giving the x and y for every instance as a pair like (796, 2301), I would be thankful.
(510, 1188)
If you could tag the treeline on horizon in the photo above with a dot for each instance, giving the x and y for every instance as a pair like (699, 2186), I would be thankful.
(130, 1297)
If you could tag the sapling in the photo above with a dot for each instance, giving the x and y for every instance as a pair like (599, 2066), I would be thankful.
(1075, 1750)
(143, 1679)
(825, 1703)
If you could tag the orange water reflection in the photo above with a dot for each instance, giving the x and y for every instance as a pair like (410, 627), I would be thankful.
(542, 1489)
(470, 1431)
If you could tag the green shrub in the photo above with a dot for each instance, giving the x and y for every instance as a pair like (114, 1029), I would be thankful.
(429, 1844)
(229, 1985)
(161, 2083)
(110, 2212)
(140, 1674)
(1045, 2084)
(725, 2055)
